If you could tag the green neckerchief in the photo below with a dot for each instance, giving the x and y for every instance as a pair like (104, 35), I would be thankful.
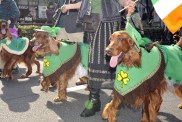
(128, 79)
(53, 62)
(66, 52)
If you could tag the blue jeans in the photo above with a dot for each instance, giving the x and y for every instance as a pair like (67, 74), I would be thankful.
(9, 11)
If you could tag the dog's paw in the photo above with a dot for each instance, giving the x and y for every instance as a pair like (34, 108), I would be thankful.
(180, 106)
(105, 113)
(58, 99)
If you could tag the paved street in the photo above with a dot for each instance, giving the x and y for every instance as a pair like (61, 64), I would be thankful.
(23, 101)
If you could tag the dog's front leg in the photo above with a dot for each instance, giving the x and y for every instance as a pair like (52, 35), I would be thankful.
(178, 92)
(111, 109)
(29, 67)
(62, 93)
(152, 105)
(8, 68)
(38, 66)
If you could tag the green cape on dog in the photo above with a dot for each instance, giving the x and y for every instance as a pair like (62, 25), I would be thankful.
(128, 79)
(66, 52)
(15, 46)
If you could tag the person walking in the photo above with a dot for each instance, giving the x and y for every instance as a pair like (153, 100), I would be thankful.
(101, 75)
(71, 30)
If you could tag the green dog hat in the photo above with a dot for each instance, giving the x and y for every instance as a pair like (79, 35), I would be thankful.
(52, 31)
(137, 38)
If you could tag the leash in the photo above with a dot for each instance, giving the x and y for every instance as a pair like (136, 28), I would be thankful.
(60, 13)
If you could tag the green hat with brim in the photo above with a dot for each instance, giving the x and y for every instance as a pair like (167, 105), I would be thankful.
(52, 31)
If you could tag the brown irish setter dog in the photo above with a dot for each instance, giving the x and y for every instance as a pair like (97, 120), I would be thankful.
(46, 45)
(149, 94)
(4, 32)
(9, 59)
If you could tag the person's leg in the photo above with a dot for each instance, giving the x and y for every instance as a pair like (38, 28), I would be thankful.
(92, 105)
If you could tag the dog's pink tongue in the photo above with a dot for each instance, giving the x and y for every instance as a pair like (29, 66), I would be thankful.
(36, 47)
(3, 31)
(114, 61)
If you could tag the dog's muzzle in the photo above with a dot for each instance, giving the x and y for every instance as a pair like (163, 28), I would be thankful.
(108, 51)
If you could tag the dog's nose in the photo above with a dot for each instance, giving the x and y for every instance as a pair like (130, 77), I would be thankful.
(108, 51)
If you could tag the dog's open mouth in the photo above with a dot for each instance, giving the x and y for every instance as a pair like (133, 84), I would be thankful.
(114, 60)
(36, 47)
(3, 31)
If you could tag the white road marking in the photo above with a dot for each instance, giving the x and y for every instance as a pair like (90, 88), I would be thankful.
(75, 88)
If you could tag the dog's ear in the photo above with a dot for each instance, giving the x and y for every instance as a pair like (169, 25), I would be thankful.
(54, 47)
(130, 42)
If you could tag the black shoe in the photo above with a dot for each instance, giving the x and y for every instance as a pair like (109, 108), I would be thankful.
(91, 109)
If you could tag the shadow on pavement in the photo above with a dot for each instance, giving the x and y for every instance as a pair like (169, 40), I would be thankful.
(15, 92)
(168, 117)
(69, 111)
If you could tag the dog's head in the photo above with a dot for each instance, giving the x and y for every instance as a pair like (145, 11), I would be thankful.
(4, 29)
(45, 84)
(121, 49)
(44, 44)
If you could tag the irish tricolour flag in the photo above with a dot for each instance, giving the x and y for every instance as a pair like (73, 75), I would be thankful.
(170, 11)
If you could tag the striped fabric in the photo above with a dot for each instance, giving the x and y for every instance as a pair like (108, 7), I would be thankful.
(170, 11)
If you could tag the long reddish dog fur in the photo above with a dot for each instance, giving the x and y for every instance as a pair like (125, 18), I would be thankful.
(28, 57)
(4, 26)
(149, 94)
(61, 77)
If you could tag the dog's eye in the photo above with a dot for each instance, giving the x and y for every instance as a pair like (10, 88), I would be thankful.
(121, 39)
